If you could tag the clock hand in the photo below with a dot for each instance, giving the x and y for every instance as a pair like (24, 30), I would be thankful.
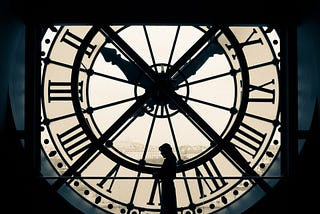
(133, 57)
(132, 72)
(190, 68)
(183, 60)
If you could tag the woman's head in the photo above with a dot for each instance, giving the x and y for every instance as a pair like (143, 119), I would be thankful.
(165, 149)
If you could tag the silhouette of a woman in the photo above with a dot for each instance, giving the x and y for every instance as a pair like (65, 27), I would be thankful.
(166, 175)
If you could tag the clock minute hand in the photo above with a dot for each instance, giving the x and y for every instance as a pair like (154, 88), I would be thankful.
(191, 67)
(173, 71)
(131, 71)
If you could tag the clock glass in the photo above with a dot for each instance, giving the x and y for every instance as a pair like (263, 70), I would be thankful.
(112, 94)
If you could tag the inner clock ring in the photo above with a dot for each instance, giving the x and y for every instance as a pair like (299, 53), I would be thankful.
(109, 134)
(159, 97)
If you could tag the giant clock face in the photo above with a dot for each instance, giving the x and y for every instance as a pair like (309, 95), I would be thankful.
(111, 95)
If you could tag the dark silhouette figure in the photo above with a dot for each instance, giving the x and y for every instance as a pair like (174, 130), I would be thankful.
(166, 175)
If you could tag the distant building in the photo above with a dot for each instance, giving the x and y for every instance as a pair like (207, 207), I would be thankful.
(136, 150)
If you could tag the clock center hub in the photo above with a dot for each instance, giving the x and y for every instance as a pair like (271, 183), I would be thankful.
(162, 88)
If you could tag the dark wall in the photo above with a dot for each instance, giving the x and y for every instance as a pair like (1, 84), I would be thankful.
(308, 66)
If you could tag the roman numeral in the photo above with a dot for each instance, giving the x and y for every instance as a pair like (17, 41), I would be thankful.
(249, 41)
(155, 186)
(210, 170)
(61, 91)
(74, 141)
(75, 41)
(248, 139)
(265, 94)
(112, 173)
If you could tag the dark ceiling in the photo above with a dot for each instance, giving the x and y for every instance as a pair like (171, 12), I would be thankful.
(163, 11)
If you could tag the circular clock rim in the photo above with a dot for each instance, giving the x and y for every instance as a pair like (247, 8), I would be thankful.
(148, 167)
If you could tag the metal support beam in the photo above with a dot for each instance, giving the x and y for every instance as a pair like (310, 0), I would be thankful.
(289, 108)
(32, 103)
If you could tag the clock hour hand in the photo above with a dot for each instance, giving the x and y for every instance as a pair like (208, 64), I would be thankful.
(132, 72)
(191, 67)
